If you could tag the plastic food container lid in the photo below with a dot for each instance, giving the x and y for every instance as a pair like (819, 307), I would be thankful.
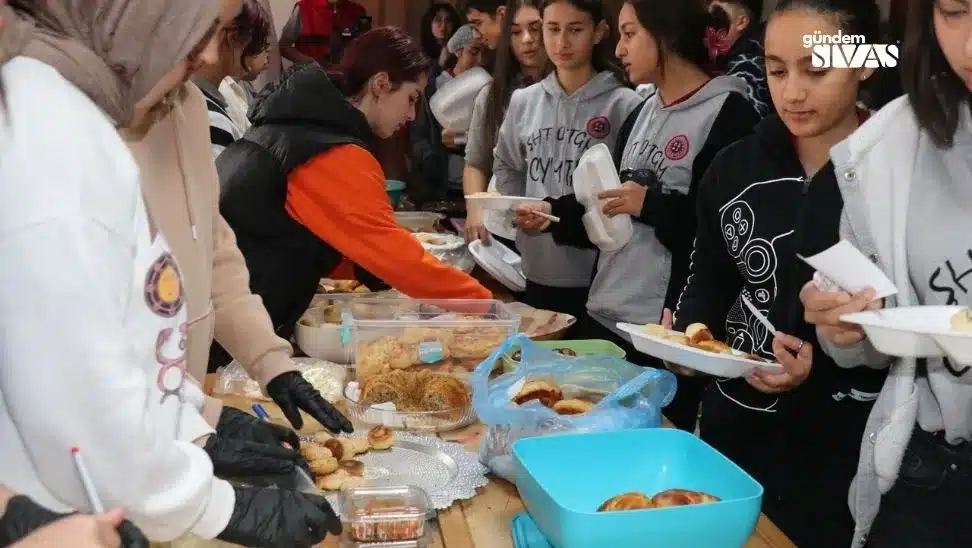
(384, 504)
(595, 172)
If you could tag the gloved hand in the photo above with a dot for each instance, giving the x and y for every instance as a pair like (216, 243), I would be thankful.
(268, 517)
(292, 393)
(24, 516)
(240, 425)
(236, 458)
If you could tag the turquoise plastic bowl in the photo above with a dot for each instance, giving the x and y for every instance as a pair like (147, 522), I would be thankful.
(564, 478)
(394, 189)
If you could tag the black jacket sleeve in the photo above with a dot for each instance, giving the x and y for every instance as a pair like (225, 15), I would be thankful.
(570, 230)
(713, 282)
(673, 215)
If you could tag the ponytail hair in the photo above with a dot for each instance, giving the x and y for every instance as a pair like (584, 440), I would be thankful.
(684, 28)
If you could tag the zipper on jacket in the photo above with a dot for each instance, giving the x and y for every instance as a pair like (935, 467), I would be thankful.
(806, 184)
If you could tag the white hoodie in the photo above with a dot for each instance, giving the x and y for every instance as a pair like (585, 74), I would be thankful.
(92, 323)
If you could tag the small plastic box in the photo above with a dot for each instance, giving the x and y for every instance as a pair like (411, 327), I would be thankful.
(385, 514)
(444, 336)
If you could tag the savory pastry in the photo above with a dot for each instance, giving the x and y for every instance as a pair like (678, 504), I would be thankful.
(962, 320)
(546, 392)
(565, 352)
(476, 343)
(681, 497)
(358, 445)
(627, 501)
(321, 437)
(312, 451)
(677, 337)
(655, 330)
(333, 481)
(572, 407)
(353, 467)
(381, 438)
(716, 347)
(323, 466)
(341, 448)
(698, 332)
(444, 393)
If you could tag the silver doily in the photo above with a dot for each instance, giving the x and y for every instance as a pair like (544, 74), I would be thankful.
(445, 470)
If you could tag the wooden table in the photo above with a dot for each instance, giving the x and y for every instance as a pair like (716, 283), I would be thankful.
(484, 520)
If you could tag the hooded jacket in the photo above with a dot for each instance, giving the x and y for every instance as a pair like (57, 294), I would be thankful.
(544, 133)
(667, 148)
(303, 192)
(746, 60)
(756, 211)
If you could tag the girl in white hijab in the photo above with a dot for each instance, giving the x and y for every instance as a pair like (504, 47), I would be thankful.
(92, 302)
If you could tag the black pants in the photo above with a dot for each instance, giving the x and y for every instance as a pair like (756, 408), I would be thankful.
(683, 412)
(566, 300)
(804, 455)
(928, 507)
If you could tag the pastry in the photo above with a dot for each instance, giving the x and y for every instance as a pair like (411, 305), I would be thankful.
(698, 332)
(353, 467)
(483, 194)
(358, 445)
(381, 438)
(627, 501)
(962, 320)
(681, 497)
(717, 347)
(323, 466)
(321, 437)
(444, 393)
(546, 392)
(572, 407)
(354, 482)
(340, 448)
(333, 481)
(655, 330)
(677, 337)
(565, 352)
(312, 451)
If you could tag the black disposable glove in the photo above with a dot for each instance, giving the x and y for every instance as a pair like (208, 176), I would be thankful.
(23, 516)
(292, 393)
(267, 518)
(240, 425)
(236, 458)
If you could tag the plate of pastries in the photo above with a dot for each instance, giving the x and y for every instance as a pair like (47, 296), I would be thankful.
(334, 461)
(695, 348)
(666, 499)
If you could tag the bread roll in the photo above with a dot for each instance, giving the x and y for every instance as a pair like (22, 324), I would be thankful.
(698, 332)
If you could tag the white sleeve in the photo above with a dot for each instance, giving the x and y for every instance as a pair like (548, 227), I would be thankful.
(509, 156)
(70, 379)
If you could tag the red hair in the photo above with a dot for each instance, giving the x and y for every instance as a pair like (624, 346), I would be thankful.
(384, 49)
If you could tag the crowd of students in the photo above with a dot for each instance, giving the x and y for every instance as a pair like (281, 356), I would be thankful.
(741, 156)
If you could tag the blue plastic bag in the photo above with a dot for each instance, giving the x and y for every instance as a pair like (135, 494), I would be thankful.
(629, 396)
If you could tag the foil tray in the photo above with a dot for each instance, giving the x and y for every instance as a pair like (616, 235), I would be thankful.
(445, 470)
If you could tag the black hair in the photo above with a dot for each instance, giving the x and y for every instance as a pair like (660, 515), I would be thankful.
(857, 17)
(430, 44)
(485, 6)
(602, 57)
(679, 28)
(935, 92)
(860, 17)
(505, 71)
(720, 18)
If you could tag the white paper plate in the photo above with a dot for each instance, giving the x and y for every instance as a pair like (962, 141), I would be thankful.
(500, 262)
(915, 332)
(720, 365)
(502, 203)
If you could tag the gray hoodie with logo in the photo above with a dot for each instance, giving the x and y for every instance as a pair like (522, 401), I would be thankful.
(542, 137)
(668, 149)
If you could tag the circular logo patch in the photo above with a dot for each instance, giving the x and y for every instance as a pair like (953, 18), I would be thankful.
(599, 127)
(677, 147)
(163, 287)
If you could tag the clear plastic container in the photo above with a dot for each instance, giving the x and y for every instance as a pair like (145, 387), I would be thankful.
(420, 543)
(443, 336)
(386, 514)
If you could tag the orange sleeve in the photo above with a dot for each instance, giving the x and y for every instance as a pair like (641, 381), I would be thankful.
(340, 196)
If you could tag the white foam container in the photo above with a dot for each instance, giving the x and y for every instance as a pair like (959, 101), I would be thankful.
(501, 262)
(595, 173)
(452, 104)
